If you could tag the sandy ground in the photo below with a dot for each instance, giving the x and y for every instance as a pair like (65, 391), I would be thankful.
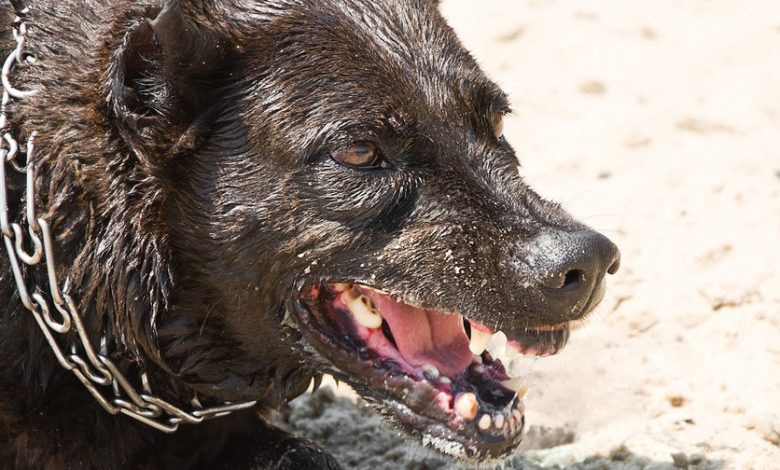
(658, 123)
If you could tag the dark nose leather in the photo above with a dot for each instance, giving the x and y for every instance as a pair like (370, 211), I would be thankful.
(570, 268)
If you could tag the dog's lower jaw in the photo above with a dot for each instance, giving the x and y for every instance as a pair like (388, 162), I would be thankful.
(470, 409)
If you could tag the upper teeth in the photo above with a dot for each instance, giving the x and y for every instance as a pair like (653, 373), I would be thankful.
(479, 341)
(362, 309)
(510, 355)
(497, 345)
(501, 349)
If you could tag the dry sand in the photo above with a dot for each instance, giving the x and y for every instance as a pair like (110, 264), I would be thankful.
(658, 123)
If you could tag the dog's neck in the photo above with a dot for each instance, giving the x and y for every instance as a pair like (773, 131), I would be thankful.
(107, 215)
(39, 399)
(64, 198)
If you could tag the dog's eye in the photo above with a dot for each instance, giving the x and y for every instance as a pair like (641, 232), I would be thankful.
(498, 125)
(357, 155)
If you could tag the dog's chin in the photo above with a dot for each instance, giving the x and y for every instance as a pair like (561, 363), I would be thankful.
(445, 379)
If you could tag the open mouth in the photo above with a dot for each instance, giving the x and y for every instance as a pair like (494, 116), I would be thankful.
(450, 381)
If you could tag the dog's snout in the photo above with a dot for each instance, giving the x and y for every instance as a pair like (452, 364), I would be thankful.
(570, 267)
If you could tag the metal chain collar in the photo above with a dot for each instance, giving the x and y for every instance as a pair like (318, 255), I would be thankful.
(93, 368)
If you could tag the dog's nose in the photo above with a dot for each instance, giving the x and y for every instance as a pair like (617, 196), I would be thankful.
(572, 266)
(582, 258)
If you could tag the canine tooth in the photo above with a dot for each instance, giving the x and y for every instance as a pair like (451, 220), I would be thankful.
(498, 421)
(497, 345)
(520, 407)
(430, 371)
(466, 406)
(484, 422)
(362, 309)
(517, 417)
(518, 385)
(479, 341)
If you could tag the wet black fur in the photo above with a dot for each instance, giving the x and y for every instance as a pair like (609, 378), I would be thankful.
(183, 165)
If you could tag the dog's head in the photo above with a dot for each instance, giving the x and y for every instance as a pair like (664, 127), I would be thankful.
(343, 199)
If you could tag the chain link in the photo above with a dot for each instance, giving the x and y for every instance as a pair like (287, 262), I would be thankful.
(102, 378)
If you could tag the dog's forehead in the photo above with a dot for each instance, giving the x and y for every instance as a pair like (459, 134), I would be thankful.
(407, 40)
(376, 58)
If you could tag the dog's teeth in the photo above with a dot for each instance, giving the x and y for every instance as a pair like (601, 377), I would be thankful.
(497, 345)
(362, 309)
(498, 421)
(503, 359)
(517, 417)
(430, 371)
(518, 385)
(466, 406)
(520, 407)
(479, 341)
(484, 422)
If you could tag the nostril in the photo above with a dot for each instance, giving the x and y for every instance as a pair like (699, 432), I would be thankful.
(573, 279)
(573, 263)
(613, 268)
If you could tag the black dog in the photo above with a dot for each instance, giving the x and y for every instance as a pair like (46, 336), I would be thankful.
(244, 194)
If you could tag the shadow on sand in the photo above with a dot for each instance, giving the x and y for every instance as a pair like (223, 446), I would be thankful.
(359, 440)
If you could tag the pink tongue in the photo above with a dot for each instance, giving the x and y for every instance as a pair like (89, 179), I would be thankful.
(426, 336)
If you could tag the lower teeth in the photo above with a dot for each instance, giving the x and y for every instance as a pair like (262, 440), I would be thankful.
(484, 422)
(466, 406)
(430, 371)
(498, 421)
(517, 416)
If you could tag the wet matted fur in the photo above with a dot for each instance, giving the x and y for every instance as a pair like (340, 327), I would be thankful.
(185, 163)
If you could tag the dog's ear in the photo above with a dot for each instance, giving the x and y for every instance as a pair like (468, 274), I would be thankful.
(163, 79)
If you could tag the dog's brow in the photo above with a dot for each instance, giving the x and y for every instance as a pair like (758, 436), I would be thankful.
(499, 101)
(501, 104)
(489, 99)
